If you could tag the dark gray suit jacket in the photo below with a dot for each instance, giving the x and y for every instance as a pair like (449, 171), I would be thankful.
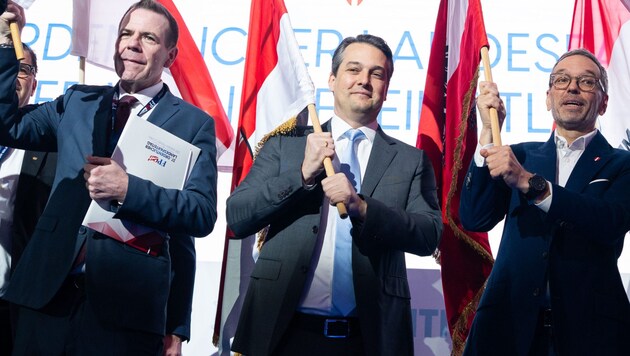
(403, 216)
(126, 287)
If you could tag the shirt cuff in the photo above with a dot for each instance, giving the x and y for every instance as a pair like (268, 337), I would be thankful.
(480, 161)
(545, 204)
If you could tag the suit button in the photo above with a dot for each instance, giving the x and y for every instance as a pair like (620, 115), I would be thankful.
(315, 229)
(468, 180)
(82, 230)
(536, 292)
(545, 255)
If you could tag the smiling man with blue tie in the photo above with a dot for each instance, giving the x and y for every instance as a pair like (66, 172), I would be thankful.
(323, 285)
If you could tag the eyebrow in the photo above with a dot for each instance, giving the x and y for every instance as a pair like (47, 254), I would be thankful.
(587, 72)
(356, 63)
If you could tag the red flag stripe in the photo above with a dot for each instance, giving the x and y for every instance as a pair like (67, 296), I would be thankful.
(596, 26)
(194, 82)
(447, 132)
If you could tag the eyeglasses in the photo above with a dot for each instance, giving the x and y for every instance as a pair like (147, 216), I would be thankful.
(584, 82)
(26, 70)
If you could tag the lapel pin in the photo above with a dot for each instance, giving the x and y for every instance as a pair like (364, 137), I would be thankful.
(596, 158)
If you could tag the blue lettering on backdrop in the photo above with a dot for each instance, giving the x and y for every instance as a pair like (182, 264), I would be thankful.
(230, 104)
(300, 46)
(49, 35)
(230, 43)
(512, 55)
(321, 36)
(428, 315)
(27, 28)
(512, 51)
(554, 56)
(508, 105)
(530, 120)
(497, 49)
(40, 84)
(406, 37)
(386, 109)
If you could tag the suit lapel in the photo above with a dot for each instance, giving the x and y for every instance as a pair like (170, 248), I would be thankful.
(103, 124)
(596, 155)
(543, 160)
(166, 109)
(381, 157)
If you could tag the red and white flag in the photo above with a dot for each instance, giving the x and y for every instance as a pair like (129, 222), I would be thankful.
(276, 88)
(603, 27)
(448, 133)
(95, 28)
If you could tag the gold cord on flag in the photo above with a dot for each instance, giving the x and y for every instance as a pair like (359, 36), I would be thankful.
(461, 326)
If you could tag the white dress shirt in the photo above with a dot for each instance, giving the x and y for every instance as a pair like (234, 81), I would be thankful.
(144, 97)
(316, 297)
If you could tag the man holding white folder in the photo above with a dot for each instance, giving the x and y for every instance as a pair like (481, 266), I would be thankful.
(82, 292)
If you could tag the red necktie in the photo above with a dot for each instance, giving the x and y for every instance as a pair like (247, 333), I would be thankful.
(122, 111)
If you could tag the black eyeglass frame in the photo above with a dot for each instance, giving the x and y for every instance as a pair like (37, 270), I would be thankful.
(26, 70)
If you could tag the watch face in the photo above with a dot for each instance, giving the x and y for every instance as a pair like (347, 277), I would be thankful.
(537, 183)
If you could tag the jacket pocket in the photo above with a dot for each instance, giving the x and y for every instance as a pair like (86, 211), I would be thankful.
(397, 287)
(266, 269)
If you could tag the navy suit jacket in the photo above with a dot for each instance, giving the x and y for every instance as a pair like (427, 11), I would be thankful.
(402, 216)
(574, 246)
(126, 287)
(34, 185)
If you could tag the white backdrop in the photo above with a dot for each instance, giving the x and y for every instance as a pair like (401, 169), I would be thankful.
(526, 38)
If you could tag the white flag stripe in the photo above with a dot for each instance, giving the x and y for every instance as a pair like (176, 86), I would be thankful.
(614, 123)
(287, 89)
(457, 11)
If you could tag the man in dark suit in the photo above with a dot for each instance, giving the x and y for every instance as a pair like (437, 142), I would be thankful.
(555, 287)
(24, 199)
(294, 303)
(82, 292)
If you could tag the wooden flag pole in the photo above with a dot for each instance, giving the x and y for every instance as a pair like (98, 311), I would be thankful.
(17, 40)
(328, 166)
(494, 115)
(81, 70)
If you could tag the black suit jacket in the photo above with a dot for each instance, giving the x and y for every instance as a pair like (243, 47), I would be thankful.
(402, 216)
(127, 288)
(574, 246)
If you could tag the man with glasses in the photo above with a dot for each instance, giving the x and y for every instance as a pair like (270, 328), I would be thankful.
(26, 178)
(555, 287)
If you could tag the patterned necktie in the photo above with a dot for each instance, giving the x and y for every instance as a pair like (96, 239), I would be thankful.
(342, 287)
(122, 111)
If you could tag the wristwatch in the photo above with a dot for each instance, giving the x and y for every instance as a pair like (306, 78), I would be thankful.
(537, 186)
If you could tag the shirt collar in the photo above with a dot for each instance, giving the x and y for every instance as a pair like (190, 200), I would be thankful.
(579, 143)
(338, 127)
(144, 95)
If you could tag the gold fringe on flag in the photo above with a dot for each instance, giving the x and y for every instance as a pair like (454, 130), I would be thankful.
(287, 128)
(461, 325)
